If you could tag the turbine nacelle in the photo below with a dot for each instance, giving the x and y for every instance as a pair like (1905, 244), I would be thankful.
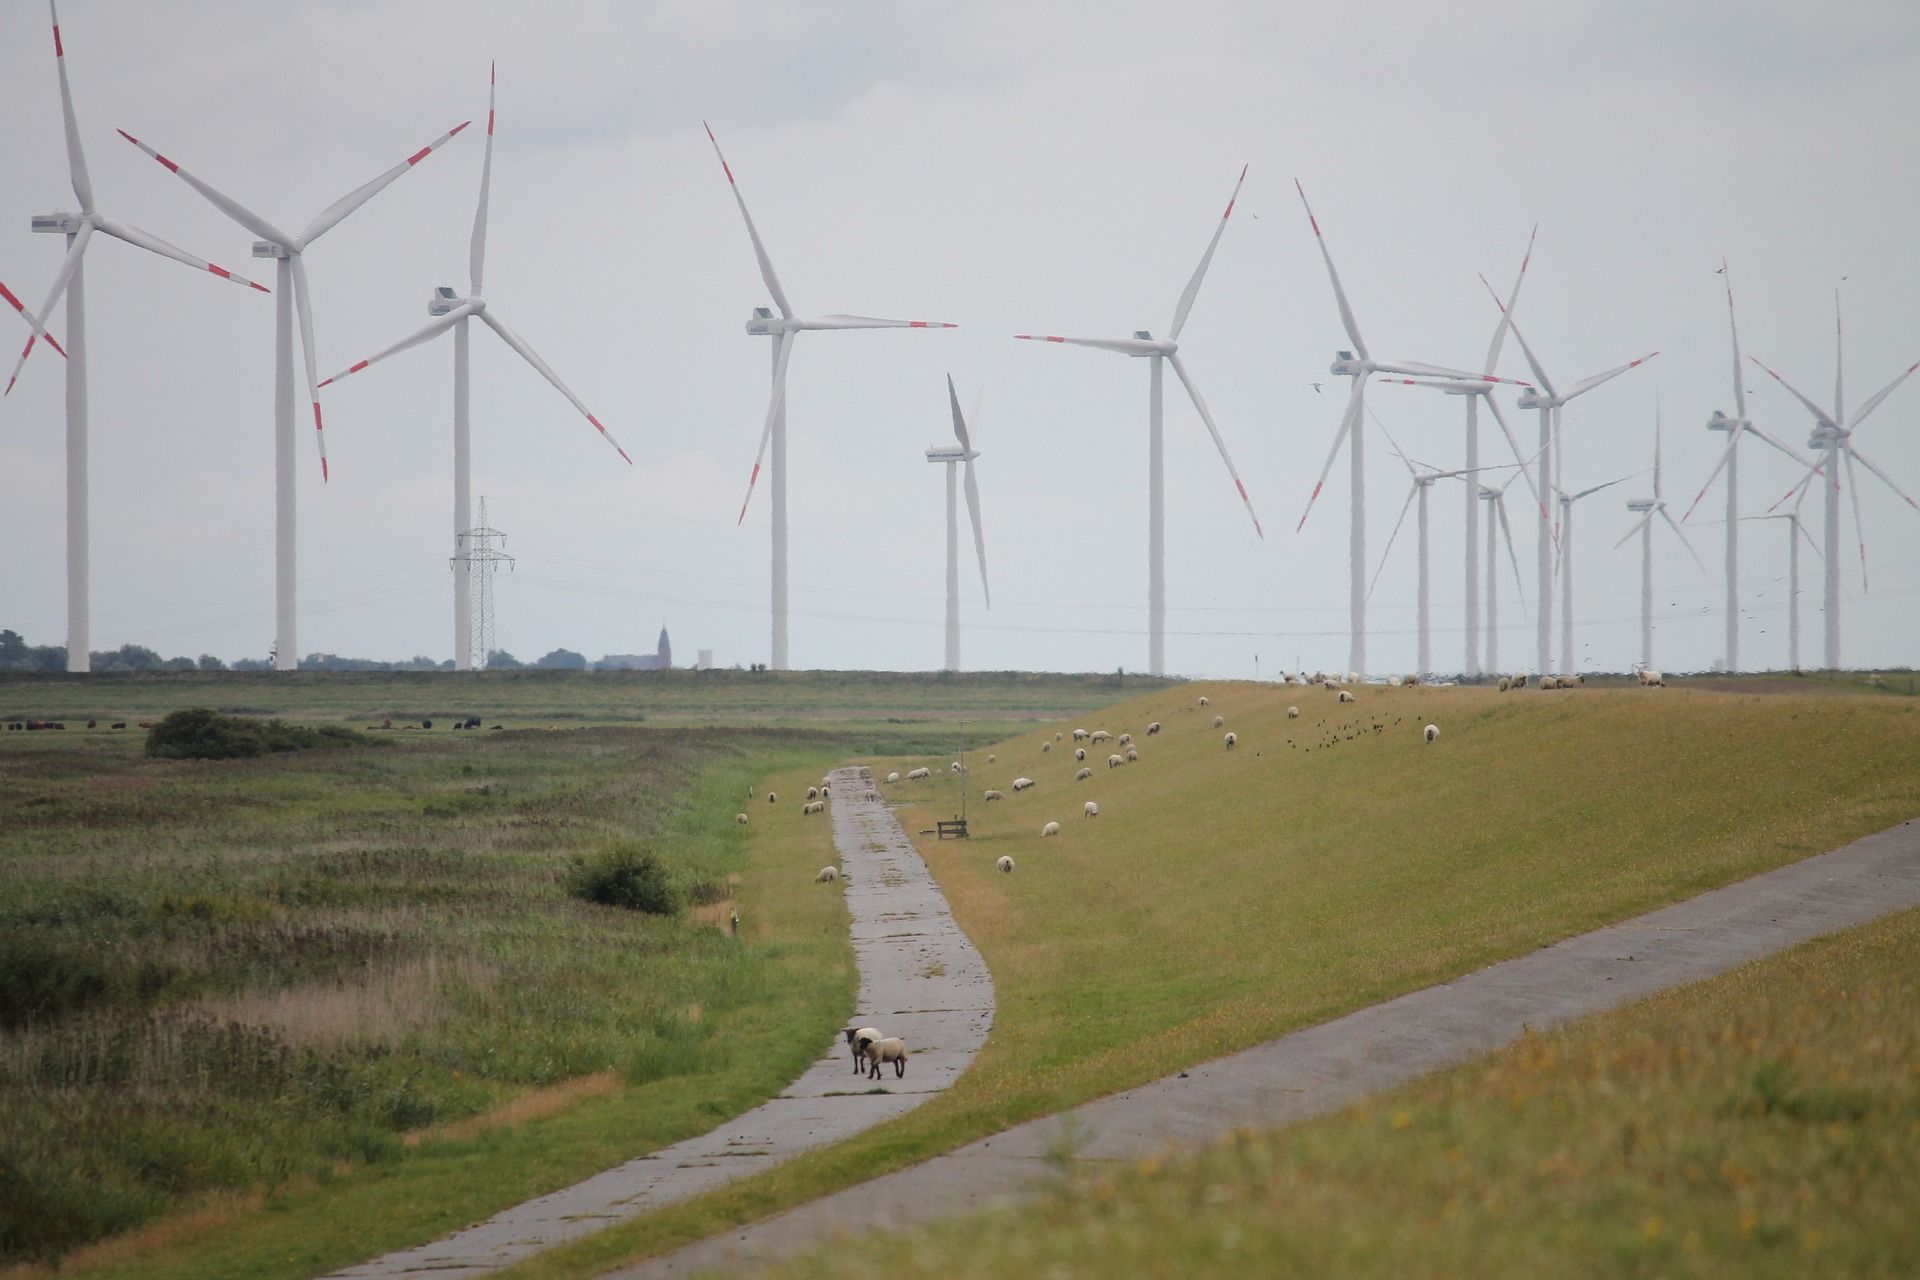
(1723, 422)
(446, 300)
(762, 323)
(58, 223)
(270, 249)
(951, 453)
(1643, 505)
(1346, 365)
(1534, 398)
(1824, 437)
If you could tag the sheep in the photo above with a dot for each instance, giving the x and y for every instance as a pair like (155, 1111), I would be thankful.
(958, 767)
(893, 1049)
(1114, 762)
(740, 819)
(1124, 739)
(1079, 735)
(1083, 775)
(1293, 713)
(993, 759)
(1090, 810)
(858, 1038)
(1431, 732)
(1203, 701)
(1651, 680)
(1132, 755)
(1520, 681)
(1549, 682)
(1021, 784)
(1057, 735)
(1051, 829)
(916, 774)
(1079, 753)
(773, 797)
(1046, 746)
(1353, 677)
(813, 793)
(1328, 685)
(1232, 741)
(1005, 864)
(894, 776)
(818, 806)
(1505, 684)
(1219, 722)
(827, 875)
(1346, 695)
(1153, 728)
(1100, 735)
(826, 792)
(993, 795)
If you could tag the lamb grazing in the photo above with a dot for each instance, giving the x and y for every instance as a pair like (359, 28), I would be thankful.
(826, 792)
(894, 776)
(1079, 753)
(813, 793)
(1293, 713)
(1653, 680)
(773, 797)
(1431, 732)
(1353, 677)
(1132, 755)
(1203, 701)
(1051, 829)
(916, 774)
(1057, 735)
(827, 875)
(1125, 738)
(1021, 784)
(1328, 685)
(892, 1049)
(1505, 684)
(958, 767)
(1233, 740)
(1346, 695)
(818, 806)
(1046, 746)
(1101, 735)
(740, 819)
(858, 1039)
(1219, 722)
(1079, 735)
(1089, 810)
(993, 795)
(1520, 681)
(1005, 864)
(993, 759)
(1083, 775)
(1115, 761)
(1153, 728)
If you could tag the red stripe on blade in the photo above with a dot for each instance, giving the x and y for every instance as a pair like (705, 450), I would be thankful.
(222, 272)
(596, 424)
(58, 52)
(57, 347)
(420, 155)
(8, 295)
(355, 368)
(323, 470)
(316, 417)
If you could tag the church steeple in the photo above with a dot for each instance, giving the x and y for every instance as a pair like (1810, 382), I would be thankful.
(665, 649)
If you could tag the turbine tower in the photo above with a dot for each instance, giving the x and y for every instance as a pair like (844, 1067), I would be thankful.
(1166, 351)
(452, 311)
(70, 280)
(1648, 509)
(783, 329)
(955, 456)
(1566, 569)
(1796, 530)
(1735, 427)
(1495, 497)
(1359, 368)
(290, 278)
(1834, 441)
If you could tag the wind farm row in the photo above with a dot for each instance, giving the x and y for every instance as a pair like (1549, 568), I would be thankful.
(1829, 459)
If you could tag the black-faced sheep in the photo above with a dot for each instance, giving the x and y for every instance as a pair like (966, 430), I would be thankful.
(1115, 761)
(892, 1049)
(740, 818)
(1079, 735)
(1219, 722)
(858, 1038)
(1505, 684)
(1083, 775)
(1021, 784)
(773, 797)
(1079, 753)
(817, 806)
(1153, 728)
(1431, 732)
(993, 795)
(1132, 755)
(1346, 696)
(1203, 700)
(1232, 740)
(1293, 713)
(1005, 864)
(1046, 746)
(827, 875)
(813, 793)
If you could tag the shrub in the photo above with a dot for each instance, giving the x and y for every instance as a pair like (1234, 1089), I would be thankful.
(625, 876)
(201, 733)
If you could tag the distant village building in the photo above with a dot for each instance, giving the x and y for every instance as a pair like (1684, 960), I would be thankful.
(703, 660)
(660, 660)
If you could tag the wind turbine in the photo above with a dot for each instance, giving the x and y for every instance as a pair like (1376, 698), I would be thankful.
(954, 456)
(1735, 427)
(763, 323)
(1476, 390)
(1566, 568)
(70, 279)
(1495, 497)
(452, 311)
(36, 329)
(1834, 441)
(1550, 400)
(1423, 480)
(1159, 351)
(1360, 368)
(1651, 507)
(290, 269)
(1796, 530)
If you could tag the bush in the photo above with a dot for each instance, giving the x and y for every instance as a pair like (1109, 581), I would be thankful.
(201, 733)
(625, 876)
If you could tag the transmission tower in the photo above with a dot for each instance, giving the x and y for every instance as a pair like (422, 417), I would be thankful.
(480, 558)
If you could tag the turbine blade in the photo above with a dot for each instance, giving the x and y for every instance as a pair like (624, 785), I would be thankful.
(303, 311)
(1672, 524)
(1533, 362)
(1777, 443)
(1733, 326)
(1125, 346)
(1412, 493)
(979, 538)
(1885, 479)
(1801, 526)
(1587, 384)
(1514, 445)
(872, 322)
(1598, 487)
(1821, 414)
(1725, 456)
(774, 400)
(61, 278)
(346, 204)
(33, 321)
(1441, 371)
(477, 250)
(430, 330)
(1506, 311)
(1399, 453)
(959, 421)
(1799, 486)
(1638, 525)
(1193, 393)
(753, 234)
(514, 340)
(218, 199)
(1873, 401)
(1355, 401)
(76, 158)
(1859, 533)
(1506, 532)
(1192, 290)
(154, 244)
(1340, 294)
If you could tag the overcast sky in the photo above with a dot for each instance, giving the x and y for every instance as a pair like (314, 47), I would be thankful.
(1007, 167)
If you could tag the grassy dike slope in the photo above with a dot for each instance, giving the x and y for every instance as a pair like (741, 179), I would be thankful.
(1223, 897)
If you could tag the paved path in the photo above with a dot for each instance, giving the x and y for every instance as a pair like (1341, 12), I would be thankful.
(1323, 1068)
(920, 979)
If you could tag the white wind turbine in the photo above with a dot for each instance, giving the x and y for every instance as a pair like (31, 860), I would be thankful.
(1566, 568)
(1360, 367)
(35, 327)
(452, 311)
(1833, 441)
(1495, 497)
(1735, 427)
(1475, 390)
(1159, 351)
(955, 456)
(289, 253)
(1796, 530)
(1651, 507)
(784, 328)
(70, 280)
(1423, 480)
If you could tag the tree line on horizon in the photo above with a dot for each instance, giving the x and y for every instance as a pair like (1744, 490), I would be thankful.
(17, 655)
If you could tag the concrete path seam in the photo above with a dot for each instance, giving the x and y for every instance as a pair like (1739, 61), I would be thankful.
(1323, 1068)
(920, 979)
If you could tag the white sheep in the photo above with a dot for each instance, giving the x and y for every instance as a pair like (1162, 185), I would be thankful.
(892, 1049)
(1051, 829)
(773, 797)
(1079, 753)
(1153, 728)
(1005, 864)
(740, 818)
(1293, 713)
(1652, 680)
(1083, 775)
(894, 776)
(1505, 684)
(1520, 681)
(1115, 761)
(858, 1038)
(1079, 735)
(818, 806)
(1219, 722)
(1132, 755)
(1100, 735)
(1124, 739)
(1548, 682)
(1046, 746)
(826, 792)
(1353, 677)
(1057, 735)
(1346, 695)
(993, 795)
(1021, 784)
(1431, 732)
(827, 875)
(993, 759)
(1328, 685)
(958, 768)
(1203, 700)
(1232, 740)
(813, 793)
(1089, 810)
(915, 775)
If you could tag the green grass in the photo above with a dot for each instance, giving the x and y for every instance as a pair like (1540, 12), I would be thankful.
(1765, 1123)
(1224, 898)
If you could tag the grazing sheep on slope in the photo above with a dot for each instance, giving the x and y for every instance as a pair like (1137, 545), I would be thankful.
(813, 793)
(993, 795)
(1114, 762)
(1233, 740)
(740, 818)
(1219, 722)
(827, 875)
(1153, 728)
(1203, 701)
(1046, 746)
(915, 775)
(818, 806)
(1132, 755)
(1005, 864)
(894, 776)
(1079, 753)
(1125, 738)
(1083, 775)
(1548, 682)
(1021, 784)
(1079, 735)
(1099, 735)
(1293, 713)
(1089, 810)
(1051, 829)
(1346, 696)
(773, 797)
(858, 1039)
(1432, 731)
(892, 1049)
(1504, 684)
(993, 759)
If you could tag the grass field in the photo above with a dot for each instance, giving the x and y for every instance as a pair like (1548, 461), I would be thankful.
(1765, 1124)
(1225, 897)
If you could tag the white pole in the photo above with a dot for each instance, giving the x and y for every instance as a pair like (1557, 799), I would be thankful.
(1493, 600)
(1733, 549)
(779, 480)
(1156, 523)
(1793, 593)
(1543, 628)
(286, 644)
(1357, 548)
(1566, 587)
(953, 567)
(79, 623)
(462, 505)
(1646, 594)
(1472, 667)
(1425, 669)
(1833, 556)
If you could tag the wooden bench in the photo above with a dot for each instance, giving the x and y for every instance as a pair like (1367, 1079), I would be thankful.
(952, 828)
